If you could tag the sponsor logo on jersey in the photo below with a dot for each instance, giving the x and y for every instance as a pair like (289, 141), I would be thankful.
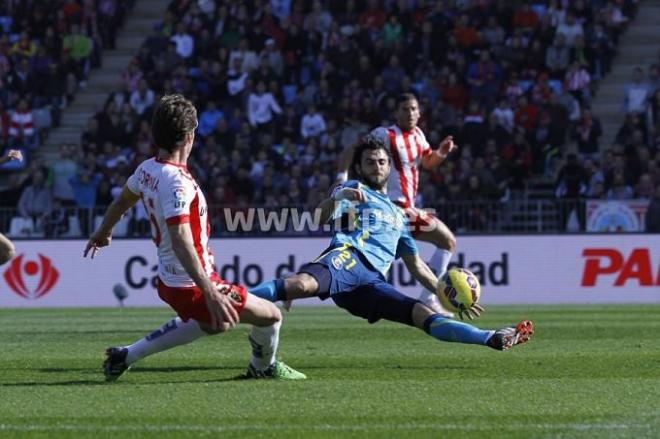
(179, 198)
(337, 263)
(18, 272)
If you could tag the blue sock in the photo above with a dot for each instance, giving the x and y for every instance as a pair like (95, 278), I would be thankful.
(272, 290)
(446, 329)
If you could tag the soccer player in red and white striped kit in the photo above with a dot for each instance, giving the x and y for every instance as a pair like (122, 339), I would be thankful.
(410, 149)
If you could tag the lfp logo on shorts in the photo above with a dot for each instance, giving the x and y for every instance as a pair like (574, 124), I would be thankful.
(22, 277)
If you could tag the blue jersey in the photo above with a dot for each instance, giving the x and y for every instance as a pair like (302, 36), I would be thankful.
(379, 231)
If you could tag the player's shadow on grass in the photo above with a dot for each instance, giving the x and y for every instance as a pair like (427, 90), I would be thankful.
(69, 332)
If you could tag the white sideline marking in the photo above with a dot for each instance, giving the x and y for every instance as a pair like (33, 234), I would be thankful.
(356, 427)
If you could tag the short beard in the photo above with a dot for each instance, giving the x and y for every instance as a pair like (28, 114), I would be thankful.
(372, 183)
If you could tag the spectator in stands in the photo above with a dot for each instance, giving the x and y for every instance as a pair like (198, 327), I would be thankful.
(142, 98)
(595, 179)
(484, 79)
(260, 108)
(56, 223)
(273, 56)
(79, 47)
(570, 28)
(249, 60)
(620, 190)
(36, 200)
(312, 123)
(61, 171)
(185, 45)
(637, 93)
(21, 128)
(653, 213)
(571, 186)
(85, 186)
(645, 188)
(132, 76)
(557, 57)
(209, 118)
(587, 133)
(578, 81)
(22, 82)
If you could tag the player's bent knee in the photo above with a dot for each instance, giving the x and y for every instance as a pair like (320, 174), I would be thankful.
(451, 242)
(224, 327)
(444, 238)
(420, 313)
(301, 285)
(260, 312)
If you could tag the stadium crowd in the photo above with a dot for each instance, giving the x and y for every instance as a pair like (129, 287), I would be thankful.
(282, 86)
(47, 48)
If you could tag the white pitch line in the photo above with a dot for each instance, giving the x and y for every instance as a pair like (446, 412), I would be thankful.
(323, 427)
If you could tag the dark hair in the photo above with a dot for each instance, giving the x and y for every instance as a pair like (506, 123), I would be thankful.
(368, 143)
(173, 118)
(405, 97)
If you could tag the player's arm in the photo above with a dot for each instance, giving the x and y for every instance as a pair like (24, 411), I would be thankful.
(223, 314)
(340, 193)
(420, 271)
(344, 162)
(118, 207)
(436, 157)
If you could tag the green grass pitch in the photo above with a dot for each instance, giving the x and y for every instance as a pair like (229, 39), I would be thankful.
(590, 371)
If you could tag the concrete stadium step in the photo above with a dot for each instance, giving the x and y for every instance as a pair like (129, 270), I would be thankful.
(638, 46)
(150, 8)
(117, 62)
(130, 41)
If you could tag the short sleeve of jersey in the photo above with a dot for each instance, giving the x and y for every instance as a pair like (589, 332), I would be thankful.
(406, 245)
(133, 184)
(343, 206)
(426, 147)
(381, 134)
(175, 197)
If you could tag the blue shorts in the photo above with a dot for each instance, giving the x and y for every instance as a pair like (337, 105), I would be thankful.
(344, 275)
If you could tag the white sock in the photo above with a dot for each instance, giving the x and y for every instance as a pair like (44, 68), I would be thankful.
(264, 341)
(174, 333)
(438, 263)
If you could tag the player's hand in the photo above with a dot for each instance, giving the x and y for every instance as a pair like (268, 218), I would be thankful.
(96, 242)
(350, 194)
(447, 146)
(223, 314)
(15, 154)
(472, 312)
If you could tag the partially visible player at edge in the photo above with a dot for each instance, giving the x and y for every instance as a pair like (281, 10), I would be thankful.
(187, 280)
(7, 249)
(352, 270)
(410, 149)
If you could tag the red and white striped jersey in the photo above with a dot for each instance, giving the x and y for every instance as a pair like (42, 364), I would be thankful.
(172, 196)
(407, 150)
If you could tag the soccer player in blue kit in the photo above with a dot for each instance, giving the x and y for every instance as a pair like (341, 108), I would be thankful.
(372, 233)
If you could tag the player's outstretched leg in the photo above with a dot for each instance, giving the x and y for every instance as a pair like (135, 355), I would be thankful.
(298, 286)
(510, 336)
(264, 338)
(442, 328)
(174, 333)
